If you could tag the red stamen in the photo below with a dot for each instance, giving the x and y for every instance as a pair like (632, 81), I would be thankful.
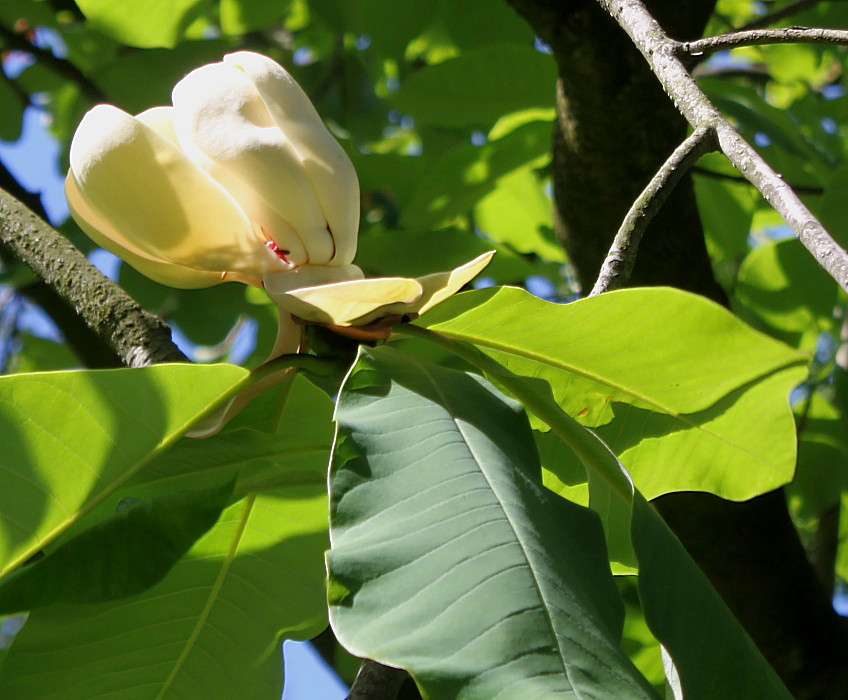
(279, 252)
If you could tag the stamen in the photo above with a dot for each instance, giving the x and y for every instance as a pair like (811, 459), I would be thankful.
(279, 252)
(224, 275)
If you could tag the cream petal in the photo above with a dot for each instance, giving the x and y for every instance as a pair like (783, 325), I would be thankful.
(440, 285)
(359, 302)
(309, 276)
(106, 237)
(356, 302)
(157, 202)
(328, 167)
(223, 125)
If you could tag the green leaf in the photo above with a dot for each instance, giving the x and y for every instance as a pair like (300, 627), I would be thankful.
(118, 557)
(782, 290)
(258, 575)
(676, 596)
(467, 173)
(658, 361)
(727, 210)
(72, 438)
(478, 87)
(518, 212)
(292, 448)
(144, 23)
(449, 559)
(243, 16)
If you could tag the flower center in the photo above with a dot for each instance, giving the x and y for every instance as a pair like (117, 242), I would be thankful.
(279, 252)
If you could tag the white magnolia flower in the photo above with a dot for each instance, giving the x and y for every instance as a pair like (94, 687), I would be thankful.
(239, 180)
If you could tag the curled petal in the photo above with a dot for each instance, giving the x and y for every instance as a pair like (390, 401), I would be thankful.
(440, 285)
(223, 124)
(360, 302)
(327, 166)
(136, 188)
(356, 302)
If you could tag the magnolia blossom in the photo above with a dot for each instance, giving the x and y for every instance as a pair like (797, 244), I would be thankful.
(239, 180)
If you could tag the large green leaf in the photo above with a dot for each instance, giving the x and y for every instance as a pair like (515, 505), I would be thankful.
(449, 558)
(256, 576)
(479, 86)
(680, 375)
(70, 439)
(283, 438)
(784, 291)
(118, 557)
(720, 661)
(144, 23)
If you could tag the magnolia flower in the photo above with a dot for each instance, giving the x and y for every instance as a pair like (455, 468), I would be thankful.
(239, 180)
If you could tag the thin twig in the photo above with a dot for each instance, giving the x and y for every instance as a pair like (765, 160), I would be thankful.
(138, 337)
(62, 68)
(662, 55)
(622, 254)
(789, 9)
(374, 681)
(759, 37)
(714, 175)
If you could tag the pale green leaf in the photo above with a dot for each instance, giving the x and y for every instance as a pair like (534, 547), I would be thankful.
(518, 213)
(143, 23)
(72, 438)
(256, 576)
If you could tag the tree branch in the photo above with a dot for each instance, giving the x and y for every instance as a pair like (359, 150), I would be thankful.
(758, 37)
(661, 53)
(62, 68)
(374, 681)
(622, 254)
(789, 9)
(138, 337)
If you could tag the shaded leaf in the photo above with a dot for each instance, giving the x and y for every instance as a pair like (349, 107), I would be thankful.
(118, 557)
(449, 558)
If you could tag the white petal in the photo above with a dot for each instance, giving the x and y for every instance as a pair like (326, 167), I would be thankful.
(328, 167)
(223, 125)
(144, 194)
(105, 236)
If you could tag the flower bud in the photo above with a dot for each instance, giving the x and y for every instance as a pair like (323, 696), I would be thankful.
(238, 179)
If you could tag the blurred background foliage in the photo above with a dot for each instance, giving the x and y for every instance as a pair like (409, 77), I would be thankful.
(446, 109)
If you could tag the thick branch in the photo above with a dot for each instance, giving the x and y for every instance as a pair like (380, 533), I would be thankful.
(138, 337)
(622, 255)
(376, 682)
(757, 37)
(661, 54)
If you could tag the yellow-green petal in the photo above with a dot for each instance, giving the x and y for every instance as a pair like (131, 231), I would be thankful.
(356, 302)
